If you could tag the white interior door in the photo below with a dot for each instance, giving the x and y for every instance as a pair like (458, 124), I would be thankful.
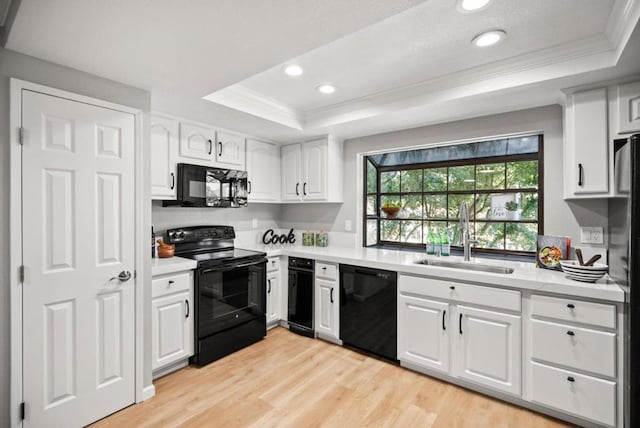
(78, 233)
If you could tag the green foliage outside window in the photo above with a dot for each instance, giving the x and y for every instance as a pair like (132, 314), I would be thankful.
(501, 192)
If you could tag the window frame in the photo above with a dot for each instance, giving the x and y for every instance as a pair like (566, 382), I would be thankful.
(501, 159)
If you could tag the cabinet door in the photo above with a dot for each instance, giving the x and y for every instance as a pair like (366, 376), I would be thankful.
(291, 163)
(314, 170)
(327, 308)
(230, 149)
(164, 150)
(629, 108)
(172, 328)
(489, 348)
(263, 167)
(587, 143)
(273, 297)
(423, 332)
(196, 143)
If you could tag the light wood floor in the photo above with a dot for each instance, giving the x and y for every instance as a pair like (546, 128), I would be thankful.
(288, 380)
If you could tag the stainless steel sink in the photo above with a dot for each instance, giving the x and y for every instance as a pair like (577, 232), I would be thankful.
(466, 265)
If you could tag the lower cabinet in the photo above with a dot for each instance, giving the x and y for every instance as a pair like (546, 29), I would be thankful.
(327, 306)
(442, 332)
(171, 319)
(423, 338)
(489, 348)
(273, 297)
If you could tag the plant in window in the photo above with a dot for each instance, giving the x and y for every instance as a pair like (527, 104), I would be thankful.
(391, 209)
(512, 210)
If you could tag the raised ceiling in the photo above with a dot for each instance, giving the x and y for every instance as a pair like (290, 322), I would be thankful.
(395, 64)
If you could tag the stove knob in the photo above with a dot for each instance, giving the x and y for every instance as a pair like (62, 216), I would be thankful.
(180, 235)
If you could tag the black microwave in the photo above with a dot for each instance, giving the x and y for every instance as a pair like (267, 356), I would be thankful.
(203, 186)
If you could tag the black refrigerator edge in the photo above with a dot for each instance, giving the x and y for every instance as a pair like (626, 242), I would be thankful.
(624, 262)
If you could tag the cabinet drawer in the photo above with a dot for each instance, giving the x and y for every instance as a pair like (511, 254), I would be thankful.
(326, 271)
(273, 264)
(171, 284)
(461, 292)
(580, 348)
(598, 314)
(586, 397)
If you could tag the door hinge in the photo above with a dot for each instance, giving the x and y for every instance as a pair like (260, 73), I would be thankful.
(21, 273)
(21, 136)
(22, 411)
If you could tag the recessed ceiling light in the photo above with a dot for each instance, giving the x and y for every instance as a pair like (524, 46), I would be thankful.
(326, 89)
(472, 5)
(293, 70)
(488, 38)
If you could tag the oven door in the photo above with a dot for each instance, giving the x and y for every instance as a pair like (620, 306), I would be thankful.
(230, 295)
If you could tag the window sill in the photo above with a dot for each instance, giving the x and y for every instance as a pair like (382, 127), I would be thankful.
(478, 255)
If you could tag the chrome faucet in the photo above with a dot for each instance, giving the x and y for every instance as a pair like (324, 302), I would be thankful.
(464, 231)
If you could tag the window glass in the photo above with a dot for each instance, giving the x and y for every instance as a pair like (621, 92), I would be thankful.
(498, 181)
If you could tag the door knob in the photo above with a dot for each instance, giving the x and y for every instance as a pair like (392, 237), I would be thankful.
(123, 276)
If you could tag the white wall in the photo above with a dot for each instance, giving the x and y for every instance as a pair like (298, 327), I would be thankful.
(560, 217)
(34, 70)
(164, 218)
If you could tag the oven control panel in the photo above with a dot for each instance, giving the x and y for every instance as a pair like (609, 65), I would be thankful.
(200, 233)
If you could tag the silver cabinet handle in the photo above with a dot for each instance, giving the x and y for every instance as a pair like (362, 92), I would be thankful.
(123, 276)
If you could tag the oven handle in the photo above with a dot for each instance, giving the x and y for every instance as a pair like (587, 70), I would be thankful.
(225, 268)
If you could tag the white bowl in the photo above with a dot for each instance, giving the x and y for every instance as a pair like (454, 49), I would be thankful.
(575, 266)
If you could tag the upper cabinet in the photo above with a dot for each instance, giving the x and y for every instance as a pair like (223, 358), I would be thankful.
(593, 119)
(201, 144)
(164, 150)
(629, 108)
(263, 169)
(196, 143)
(312, 171)
(230, 150)
(586, 148)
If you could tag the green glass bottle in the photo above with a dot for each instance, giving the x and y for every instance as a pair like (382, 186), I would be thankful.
(446, 245)
(430, 243)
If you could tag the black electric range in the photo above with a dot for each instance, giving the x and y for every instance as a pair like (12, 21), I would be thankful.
(229, 290)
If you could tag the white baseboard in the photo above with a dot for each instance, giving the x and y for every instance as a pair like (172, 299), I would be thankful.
(148, 392)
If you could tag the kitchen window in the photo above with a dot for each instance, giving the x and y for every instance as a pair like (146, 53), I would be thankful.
(411, 193)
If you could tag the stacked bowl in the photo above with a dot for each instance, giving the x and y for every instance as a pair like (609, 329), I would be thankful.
(577, 272)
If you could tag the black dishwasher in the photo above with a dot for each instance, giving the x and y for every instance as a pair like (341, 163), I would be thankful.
(300, 307)
(368, 308)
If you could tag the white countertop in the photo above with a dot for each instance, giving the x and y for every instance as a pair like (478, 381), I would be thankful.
(171, 265)
(525, 276)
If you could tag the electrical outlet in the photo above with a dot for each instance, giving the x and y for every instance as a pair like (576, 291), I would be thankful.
(347, 225)
(591, 235)
(254, 223)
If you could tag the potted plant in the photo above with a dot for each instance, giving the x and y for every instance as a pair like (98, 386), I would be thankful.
(512, 210)
(391, 209)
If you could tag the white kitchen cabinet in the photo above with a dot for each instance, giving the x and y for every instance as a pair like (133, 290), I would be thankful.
(273, 297)
(489, 348)
(327, 302)
(230, 150)
(312, 171)
(628, 95)
(164, 151)
(574, 357)
(424, 340)
(197, 143)
(172, 321)
(263, 169)
(586, 146)
(438, 331)
(291, 163)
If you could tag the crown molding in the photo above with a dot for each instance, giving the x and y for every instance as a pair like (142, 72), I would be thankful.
(622, 21)
(559, 61)
(244, 99)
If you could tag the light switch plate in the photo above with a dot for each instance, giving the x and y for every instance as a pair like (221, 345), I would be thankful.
(347, 225)
(592, 235)
(254, 223)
